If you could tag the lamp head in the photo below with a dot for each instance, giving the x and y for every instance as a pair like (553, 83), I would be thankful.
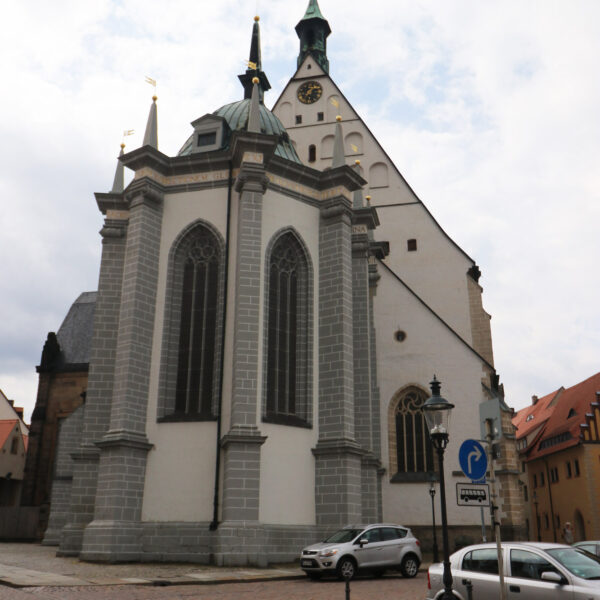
(437, 415)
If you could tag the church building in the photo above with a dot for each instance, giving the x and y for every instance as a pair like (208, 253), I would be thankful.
(272, 305)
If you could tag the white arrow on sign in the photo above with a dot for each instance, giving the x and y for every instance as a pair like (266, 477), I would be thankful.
(476, 452)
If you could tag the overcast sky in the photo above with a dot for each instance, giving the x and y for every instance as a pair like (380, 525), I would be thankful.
(490, 109)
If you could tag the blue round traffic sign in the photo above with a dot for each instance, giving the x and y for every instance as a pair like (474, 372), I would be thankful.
(473, 460)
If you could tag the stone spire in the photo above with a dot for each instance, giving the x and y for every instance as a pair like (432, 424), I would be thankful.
(151, 135)
(357, 199)
(339, 159)
(255, 66)
(313, 30)
(254, 112)
(119, 181)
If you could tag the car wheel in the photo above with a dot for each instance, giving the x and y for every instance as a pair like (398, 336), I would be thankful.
(409, 566)
(346, 568)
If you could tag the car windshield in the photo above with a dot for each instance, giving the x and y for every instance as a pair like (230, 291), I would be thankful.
(343, 535)
(580, 563)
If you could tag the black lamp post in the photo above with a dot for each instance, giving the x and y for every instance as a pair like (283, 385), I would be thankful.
(437, 414)
(436, 557)
(537, 516)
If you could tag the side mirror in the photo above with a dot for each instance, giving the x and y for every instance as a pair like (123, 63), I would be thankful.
(363, 541)
(553, 577)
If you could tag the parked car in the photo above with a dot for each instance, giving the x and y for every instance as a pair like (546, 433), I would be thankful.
(592, 546)
(375, 548)
(532, 571)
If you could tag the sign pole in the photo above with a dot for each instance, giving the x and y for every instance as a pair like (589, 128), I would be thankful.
(483, 535)
(493, 507)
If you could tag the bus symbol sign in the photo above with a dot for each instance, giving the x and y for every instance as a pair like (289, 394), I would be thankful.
(472, 494)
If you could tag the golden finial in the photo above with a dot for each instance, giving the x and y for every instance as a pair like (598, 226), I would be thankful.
(357, 162)
(368, 199)
(338, 118)
(257, 18)
(155, 98)
(255, 80)
(122, 145)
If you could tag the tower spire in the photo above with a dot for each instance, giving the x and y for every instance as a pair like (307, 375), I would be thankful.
(255, 66)
(151, 135)
(119, 180)
(313, 30)
(339, 159)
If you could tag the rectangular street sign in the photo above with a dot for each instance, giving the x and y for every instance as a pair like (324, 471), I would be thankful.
(472, 494)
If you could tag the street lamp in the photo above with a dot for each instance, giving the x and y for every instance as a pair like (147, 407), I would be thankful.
(437, 415)
(537, 516)
(436, 557)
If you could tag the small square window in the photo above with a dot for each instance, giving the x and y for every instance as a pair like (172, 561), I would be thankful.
(411, 245)
(320, 116)
(298, 119)
(576, 463)
(207, 139)
(569, 473)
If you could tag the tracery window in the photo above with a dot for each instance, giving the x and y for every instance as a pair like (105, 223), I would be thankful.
(411, 452)
(287, 334)
(193, 328)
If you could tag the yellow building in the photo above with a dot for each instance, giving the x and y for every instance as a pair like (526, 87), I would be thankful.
(558, 437)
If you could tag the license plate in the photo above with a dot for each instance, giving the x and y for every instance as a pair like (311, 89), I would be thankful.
(306, 563)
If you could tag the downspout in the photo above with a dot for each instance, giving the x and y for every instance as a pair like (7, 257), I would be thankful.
(550, 496)
(215, 522)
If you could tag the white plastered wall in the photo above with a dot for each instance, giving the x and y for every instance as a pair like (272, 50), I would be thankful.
(429, 348)
(181, 465)
(438, 262)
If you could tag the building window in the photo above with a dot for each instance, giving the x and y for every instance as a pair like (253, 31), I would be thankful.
(554, 475)
(411, 452)
(298, 119)
(320, 116)
(535, 482)
(558, 522)
(14, 447)
(411, 245)
(546, 521)
(525, 494)
(569, 473)
(207, 139)
(576, 465)
(192, 334)
(287, 370)
(542, 479)
(312, 153)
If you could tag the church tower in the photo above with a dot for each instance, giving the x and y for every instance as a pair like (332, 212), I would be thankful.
(313, 30)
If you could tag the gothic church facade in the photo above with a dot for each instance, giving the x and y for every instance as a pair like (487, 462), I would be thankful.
(267, 322)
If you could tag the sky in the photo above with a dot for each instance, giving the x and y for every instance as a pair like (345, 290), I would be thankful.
(490, 109)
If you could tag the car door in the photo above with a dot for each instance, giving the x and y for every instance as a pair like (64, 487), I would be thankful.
(370, 554)
(480, 566)
(524, 579)
(392, 542)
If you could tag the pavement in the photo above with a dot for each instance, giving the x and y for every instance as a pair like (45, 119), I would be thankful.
(34, 565)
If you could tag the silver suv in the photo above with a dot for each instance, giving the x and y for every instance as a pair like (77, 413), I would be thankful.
(374, 548)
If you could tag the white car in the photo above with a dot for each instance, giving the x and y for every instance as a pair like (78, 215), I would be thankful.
(532, 571)
(373, 548)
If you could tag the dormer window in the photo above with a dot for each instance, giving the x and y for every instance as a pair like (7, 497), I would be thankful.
(529, 418)
(572, 413)
(206, 139)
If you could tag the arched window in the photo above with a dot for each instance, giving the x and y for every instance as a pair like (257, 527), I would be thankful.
(378, 175)
(312, 153)
(411, 452)
(287, 351)
(193, 316)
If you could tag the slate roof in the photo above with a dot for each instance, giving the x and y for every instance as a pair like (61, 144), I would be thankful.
(562, 417)
(75, 333)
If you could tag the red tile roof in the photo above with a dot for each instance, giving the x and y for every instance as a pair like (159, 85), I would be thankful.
(560, 430)
(6, 428)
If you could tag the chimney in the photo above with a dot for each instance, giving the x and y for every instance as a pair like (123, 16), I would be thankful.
(534, 400)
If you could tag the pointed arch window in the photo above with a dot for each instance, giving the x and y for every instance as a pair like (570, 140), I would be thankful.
(192, 341)
(411, 452)
(287, 338)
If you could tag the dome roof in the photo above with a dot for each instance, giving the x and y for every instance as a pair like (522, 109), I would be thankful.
(236, 116)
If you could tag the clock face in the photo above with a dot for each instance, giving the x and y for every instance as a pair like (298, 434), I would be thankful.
(309, 92)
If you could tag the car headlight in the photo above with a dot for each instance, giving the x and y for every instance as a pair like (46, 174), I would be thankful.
(328, 552)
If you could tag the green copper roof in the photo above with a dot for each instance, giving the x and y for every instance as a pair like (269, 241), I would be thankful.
(236, 114)
(313, 11)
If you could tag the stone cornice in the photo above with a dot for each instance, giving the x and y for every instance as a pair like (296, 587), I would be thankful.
(110, 201)
(243, 143)
(144, 191)
(251, 177)
(337, 447)
(124, 439)
(366, 216)
(337, 209)
(243, 435)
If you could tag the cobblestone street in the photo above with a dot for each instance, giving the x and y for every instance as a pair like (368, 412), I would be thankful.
(386, 588)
